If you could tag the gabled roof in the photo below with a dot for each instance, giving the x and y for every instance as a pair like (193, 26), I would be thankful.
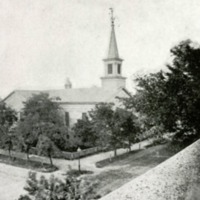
(72, 95)
(69, 96)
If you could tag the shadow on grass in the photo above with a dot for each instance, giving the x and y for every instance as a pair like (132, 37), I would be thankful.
(116, 159)
(77, 173)
(152, 155)
(28, 164)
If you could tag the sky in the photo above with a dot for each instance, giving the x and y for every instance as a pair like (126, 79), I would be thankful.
(42, 42)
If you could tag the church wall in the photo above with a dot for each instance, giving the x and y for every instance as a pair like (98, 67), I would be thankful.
(113, 83)
(75, 111)
(15, 102)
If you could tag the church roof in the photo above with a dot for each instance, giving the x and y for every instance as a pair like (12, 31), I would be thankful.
(74, 95)
(69, 96)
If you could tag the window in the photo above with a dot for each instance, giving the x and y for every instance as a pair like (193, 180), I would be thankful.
(119, 68)
(67, 118)
(109, 68)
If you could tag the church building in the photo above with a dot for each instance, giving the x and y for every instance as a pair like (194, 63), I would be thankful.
(76, 102)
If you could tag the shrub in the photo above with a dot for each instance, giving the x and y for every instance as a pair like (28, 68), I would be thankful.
(71, 188)
(24, 197)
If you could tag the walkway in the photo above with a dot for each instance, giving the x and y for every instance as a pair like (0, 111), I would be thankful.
(88, 163)
(13, 179)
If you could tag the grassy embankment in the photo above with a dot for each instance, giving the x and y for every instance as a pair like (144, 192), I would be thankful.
(124, 168)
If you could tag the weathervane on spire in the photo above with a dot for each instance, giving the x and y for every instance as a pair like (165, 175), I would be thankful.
(112, 18)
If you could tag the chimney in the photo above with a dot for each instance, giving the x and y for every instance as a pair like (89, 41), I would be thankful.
(68, 84)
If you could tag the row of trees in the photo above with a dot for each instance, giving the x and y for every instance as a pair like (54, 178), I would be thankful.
(107, 126)
(7, 119)
(42, 127)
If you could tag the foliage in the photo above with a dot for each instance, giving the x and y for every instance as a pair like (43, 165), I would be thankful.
(41, 116)
(69, 189)
(84, 131)
(151, 100)
(172, 99)
(102, 120)
(184, 87)
(8, 118)
(102, 117)
(46, 147)
(154, 132)
(128, 124)
(113, 126)
(24, 197)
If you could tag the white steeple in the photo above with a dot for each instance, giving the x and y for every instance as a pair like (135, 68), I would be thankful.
(113, 78)
(112, 50)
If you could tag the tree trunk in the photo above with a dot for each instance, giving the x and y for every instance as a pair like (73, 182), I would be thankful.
(139, 145)
(79, 165)
(9, 147)
(27, 153)
(129, 146)
(51, 162)
(115, 151)
(9, 151)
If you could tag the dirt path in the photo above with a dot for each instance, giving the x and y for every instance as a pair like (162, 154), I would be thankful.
(13, 179)
(88, 163)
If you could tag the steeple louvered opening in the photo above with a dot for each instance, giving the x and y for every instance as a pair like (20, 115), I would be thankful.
(113, 78)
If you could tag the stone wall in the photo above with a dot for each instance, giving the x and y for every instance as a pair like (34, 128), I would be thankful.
(176, 178)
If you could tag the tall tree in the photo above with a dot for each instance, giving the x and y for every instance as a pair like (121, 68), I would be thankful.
(113, 126)
(154, 101)
(183, 84)
(29, 140)
(172, 99)
(128, 125)
(102, 117)
(7, 119)
(42, 116)
(83, 129)
(46, 147)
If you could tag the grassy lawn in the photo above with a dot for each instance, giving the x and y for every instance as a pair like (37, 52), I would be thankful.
(127, 167)
(32, 165)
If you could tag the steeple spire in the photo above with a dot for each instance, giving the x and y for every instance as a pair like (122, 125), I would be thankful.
(113, 78)
(112, 50)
